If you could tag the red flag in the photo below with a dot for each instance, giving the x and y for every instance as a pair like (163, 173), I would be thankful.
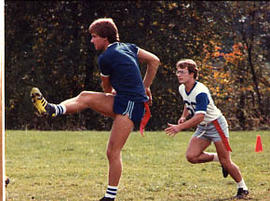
(145, 118)
(222, 135)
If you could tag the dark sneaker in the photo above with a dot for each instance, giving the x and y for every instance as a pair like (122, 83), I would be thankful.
(40, 103)
(106, 199)
(224, 172)
(241, 193)
(6, 181)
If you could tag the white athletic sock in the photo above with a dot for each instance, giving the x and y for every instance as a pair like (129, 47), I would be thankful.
(216, 159)
(242, 184)
(60, 109)
(111, 192)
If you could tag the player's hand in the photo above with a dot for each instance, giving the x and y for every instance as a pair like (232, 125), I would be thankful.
(149, 94)
(181, 120)
(172, 130)
(113, 91)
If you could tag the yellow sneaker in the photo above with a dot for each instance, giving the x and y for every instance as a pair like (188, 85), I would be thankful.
(39, 101)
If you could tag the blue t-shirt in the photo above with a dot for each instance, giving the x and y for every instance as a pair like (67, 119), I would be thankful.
(120, 63)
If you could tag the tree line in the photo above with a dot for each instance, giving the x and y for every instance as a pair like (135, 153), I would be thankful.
(47, 45)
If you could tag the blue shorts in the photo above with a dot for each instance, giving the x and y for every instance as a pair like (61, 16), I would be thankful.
(134, 110)
(209, 131)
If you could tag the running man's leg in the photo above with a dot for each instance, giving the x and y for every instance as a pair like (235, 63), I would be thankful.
(225, 160)
(195, 151)
(196, 154)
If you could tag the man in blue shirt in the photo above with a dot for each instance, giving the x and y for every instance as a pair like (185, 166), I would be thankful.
(211, 125)
(125, 95)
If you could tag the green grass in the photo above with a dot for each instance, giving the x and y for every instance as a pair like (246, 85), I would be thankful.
(72, 166)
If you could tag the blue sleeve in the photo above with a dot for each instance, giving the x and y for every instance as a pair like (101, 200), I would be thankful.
(201, 102)
(104, 66)
(133, 48)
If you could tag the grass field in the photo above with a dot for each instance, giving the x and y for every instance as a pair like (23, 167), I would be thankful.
(72, 166)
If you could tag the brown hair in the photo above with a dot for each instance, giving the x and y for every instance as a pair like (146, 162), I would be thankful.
(105, 28)
(189, 64)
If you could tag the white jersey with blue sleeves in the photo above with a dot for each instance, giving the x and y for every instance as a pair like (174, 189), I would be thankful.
(199, 100)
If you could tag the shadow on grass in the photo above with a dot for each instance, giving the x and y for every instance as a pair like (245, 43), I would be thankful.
(233, 198)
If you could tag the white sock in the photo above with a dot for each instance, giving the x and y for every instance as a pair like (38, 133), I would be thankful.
(242, 184)
(111, 192)
(216, 159)
(64, 108)
(60, 109)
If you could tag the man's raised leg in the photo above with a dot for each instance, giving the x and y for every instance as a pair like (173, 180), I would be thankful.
(98, 101)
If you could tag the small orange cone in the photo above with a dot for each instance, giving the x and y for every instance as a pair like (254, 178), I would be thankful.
(259, 144)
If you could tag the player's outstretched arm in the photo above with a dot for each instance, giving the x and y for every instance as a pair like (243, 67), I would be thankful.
(173, 129)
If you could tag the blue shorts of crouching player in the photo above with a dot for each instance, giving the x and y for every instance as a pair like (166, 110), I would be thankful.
(134, 110)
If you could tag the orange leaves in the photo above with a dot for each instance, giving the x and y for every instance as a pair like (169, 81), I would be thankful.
(221, 84)
(222, 77)
(217, 48)
(218, 67)
(236, 55)
(172, 6)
